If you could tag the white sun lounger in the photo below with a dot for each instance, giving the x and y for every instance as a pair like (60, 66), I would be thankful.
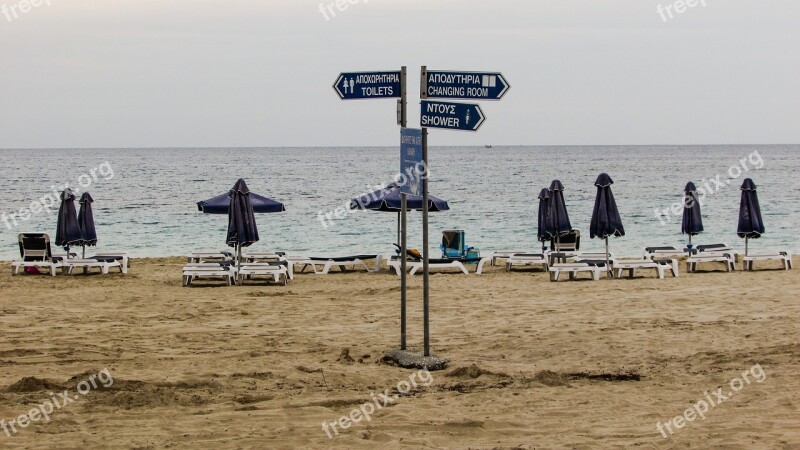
(417, 266)
(35, 251)
(341, 262)
(527, 259)
(271, 258)
(122, 257)
(394, 262)
(632, 266)
(505, 254)
(573, 269)
(784, 257)
(50, 266)
(104, 264)
(278, 272)
(662, 252)
(727, 258)
(203, 257)
(206, 270)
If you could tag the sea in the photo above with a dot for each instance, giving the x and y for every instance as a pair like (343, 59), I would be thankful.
(145, 200)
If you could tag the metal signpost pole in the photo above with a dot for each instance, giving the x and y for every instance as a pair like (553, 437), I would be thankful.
(425, 245)
(403, 219)
(425, 249)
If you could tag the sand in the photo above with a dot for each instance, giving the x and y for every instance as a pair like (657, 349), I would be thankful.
(533, 364)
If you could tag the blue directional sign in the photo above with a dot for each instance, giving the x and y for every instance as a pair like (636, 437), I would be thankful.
(411, 168)
(451, 116)
(466, 85)
(367, 85)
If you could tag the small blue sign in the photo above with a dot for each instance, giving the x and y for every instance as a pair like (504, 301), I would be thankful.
(451, 116)
(466, 85)
(368, 85)
(411, 167)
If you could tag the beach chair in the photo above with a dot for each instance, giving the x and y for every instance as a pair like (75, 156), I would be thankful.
(711, 253)
(594, 268)
(710, 248)
(278, 271)
(570, 242)
(453, 245)
(202, 257)
(784, 257)
(103, 263)
(35, 251)
(395, 262)
(342, 262)
(528, 259)
(505, 254)
(224, 269)
(122, 257)
(726, 258)
(270, 258)
(663, 252)
(659, 265)
(449, 263)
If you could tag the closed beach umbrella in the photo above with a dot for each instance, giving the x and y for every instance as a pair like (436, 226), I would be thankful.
(544, 216)
(692, 223)
(751, 226)
(606, 221)
(559, 223)
(389, 199)
(240, 205)
(242, 228)
(86, 222)
(68, 232)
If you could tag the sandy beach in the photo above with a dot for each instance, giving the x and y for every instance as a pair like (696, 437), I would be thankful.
(534, 364)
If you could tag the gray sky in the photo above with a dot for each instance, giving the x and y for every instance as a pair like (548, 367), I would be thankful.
(169, 73)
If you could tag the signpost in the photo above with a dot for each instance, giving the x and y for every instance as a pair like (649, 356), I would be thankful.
(382, 85)
(368, 85)
(411, 161)
(465, 85)
(414, 156)
(451, 116)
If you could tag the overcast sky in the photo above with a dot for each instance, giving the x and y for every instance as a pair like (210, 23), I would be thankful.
(208, 73)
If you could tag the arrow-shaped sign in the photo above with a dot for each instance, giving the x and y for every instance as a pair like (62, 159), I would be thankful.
(451, 116)
(367, 85)
(465, 85)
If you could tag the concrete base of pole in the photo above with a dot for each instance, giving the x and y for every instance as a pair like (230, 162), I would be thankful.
(409, 359)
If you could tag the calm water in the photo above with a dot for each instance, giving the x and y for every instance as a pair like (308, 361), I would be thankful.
(148, 207)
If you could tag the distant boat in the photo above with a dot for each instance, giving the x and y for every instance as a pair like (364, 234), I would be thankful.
(488, 146)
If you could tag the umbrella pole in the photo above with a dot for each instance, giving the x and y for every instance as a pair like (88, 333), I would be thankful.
(608, 267)
(83, 256)
(746, 239)
(398, 226)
